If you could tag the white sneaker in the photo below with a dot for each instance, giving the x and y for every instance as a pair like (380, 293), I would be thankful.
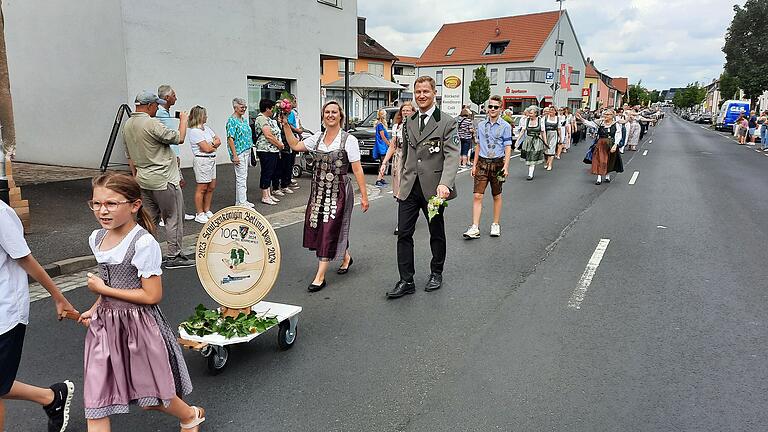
(287, 190)
(272, 197)
(246, 204)
(495, 230)
(268, 201)
(472, 233)
(278, 192)
(209, 214)
(162, 223)
(201, 218)
(188, 216)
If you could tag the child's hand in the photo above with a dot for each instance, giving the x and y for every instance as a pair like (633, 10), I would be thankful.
(62, 307)
(85, 318)
(96, 284)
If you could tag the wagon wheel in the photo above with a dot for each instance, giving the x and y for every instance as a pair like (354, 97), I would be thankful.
(296, 171)
(285, 336)
(218, 359)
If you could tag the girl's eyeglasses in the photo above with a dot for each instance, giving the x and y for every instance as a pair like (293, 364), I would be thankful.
(110, 205)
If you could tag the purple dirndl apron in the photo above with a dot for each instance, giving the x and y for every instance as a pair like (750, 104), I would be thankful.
(329, 211)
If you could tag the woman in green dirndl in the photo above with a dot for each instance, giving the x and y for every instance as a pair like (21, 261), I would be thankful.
(534, 140)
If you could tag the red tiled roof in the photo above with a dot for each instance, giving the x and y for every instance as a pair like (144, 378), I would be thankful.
(591, 71)
(621, 84)
(407, 59)
(526, 35)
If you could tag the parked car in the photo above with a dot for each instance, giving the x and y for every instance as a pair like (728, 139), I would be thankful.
(365, 132)
(705, 118)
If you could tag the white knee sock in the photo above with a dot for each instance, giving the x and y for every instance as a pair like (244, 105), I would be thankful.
(530, 170)
(608, 177)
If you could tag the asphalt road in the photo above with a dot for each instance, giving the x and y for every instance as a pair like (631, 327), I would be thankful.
(670, 334)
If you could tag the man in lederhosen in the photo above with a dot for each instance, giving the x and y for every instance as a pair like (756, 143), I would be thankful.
(430, 162)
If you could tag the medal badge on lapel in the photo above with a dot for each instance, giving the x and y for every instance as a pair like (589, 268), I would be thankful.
(434, 145)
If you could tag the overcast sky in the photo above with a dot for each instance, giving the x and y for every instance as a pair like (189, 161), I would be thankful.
(666, 43)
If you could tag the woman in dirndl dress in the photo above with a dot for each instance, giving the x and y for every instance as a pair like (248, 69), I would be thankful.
(331, 198)
(395, 152)
(552, 129)
(606, 157)
(533, 140)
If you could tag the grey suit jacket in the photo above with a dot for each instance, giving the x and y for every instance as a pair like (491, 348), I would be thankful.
(432, 155)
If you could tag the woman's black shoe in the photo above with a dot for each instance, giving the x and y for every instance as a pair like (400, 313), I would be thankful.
(397, 232)
(598, 182)
(529, 178)
(315, 288)
(345, 270)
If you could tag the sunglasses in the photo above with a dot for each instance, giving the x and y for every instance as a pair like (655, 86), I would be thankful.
(493, 107)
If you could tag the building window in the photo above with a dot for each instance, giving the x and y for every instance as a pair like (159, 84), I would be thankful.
(539, 75)
(517, 75)
(575, 75)
(351, 67)
(559, 47)
(439, 78)
(450, 52)
(496, 48)
(398, 70)
(494, 76)
(376, 69)
(334, 3)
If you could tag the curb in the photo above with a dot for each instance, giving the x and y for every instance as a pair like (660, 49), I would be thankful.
(278, 220)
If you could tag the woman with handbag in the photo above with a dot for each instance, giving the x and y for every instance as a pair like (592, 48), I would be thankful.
(605, 155)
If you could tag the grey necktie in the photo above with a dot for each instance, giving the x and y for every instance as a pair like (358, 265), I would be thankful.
(423, 122)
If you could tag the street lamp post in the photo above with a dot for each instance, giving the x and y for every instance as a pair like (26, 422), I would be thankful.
(556, 83)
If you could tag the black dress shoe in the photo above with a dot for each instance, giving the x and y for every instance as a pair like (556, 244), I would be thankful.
(401, 288)
(529, 178)
(607, 179)
(598, 182)
(345, 270)
(314, 288)
(434, 283)
(397, 231)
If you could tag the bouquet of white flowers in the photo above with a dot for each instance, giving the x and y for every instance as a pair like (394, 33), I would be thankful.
(433, 206)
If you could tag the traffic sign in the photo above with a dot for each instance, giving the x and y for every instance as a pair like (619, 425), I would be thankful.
(550, 78)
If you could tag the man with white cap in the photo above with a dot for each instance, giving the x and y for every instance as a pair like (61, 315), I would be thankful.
(149, 146)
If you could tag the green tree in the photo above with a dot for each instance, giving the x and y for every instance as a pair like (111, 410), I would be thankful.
(746, 47)
(654, 96)
(637, 94)
(480, 87)
(690, 96)
(729, 86)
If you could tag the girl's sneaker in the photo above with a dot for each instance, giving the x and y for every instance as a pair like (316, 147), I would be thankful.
(201, 218)
(278, 192)
(209, 214)
(268, 201)
(286, 190)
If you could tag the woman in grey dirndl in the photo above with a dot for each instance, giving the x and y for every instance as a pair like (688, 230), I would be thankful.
(552, 128)
(533, 140)
(329, 210)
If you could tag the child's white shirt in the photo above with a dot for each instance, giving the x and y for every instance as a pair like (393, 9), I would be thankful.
(14, 288)
(147, 259)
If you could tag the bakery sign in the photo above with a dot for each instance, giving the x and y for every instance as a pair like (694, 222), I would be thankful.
(452, 100)
(238, 257)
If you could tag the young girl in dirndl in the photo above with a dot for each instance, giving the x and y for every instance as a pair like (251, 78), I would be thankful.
(131, 353)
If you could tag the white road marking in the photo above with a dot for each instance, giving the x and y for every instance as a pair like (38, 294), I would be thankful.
(390, 192)
(645, 153)
(634, 177)
(661, 227)
(589, 272)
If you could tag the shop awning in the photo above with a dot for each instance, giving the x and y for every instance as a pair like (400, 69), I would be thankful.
(366, 82)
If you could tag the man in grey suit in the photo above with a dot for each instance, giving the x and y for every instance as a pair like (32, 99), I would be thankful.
(430, 163)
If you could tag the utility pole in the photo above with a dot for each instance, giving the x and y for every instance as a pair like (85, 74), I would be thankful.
(556, 83)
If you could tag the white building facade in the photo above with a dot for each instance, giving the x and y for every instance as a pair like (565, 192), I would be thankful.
(522, 84)
(68, 81)
(404, 73)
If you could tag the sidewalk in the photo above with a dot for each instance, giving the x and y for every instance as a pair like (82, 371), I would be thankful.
(61, 221)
